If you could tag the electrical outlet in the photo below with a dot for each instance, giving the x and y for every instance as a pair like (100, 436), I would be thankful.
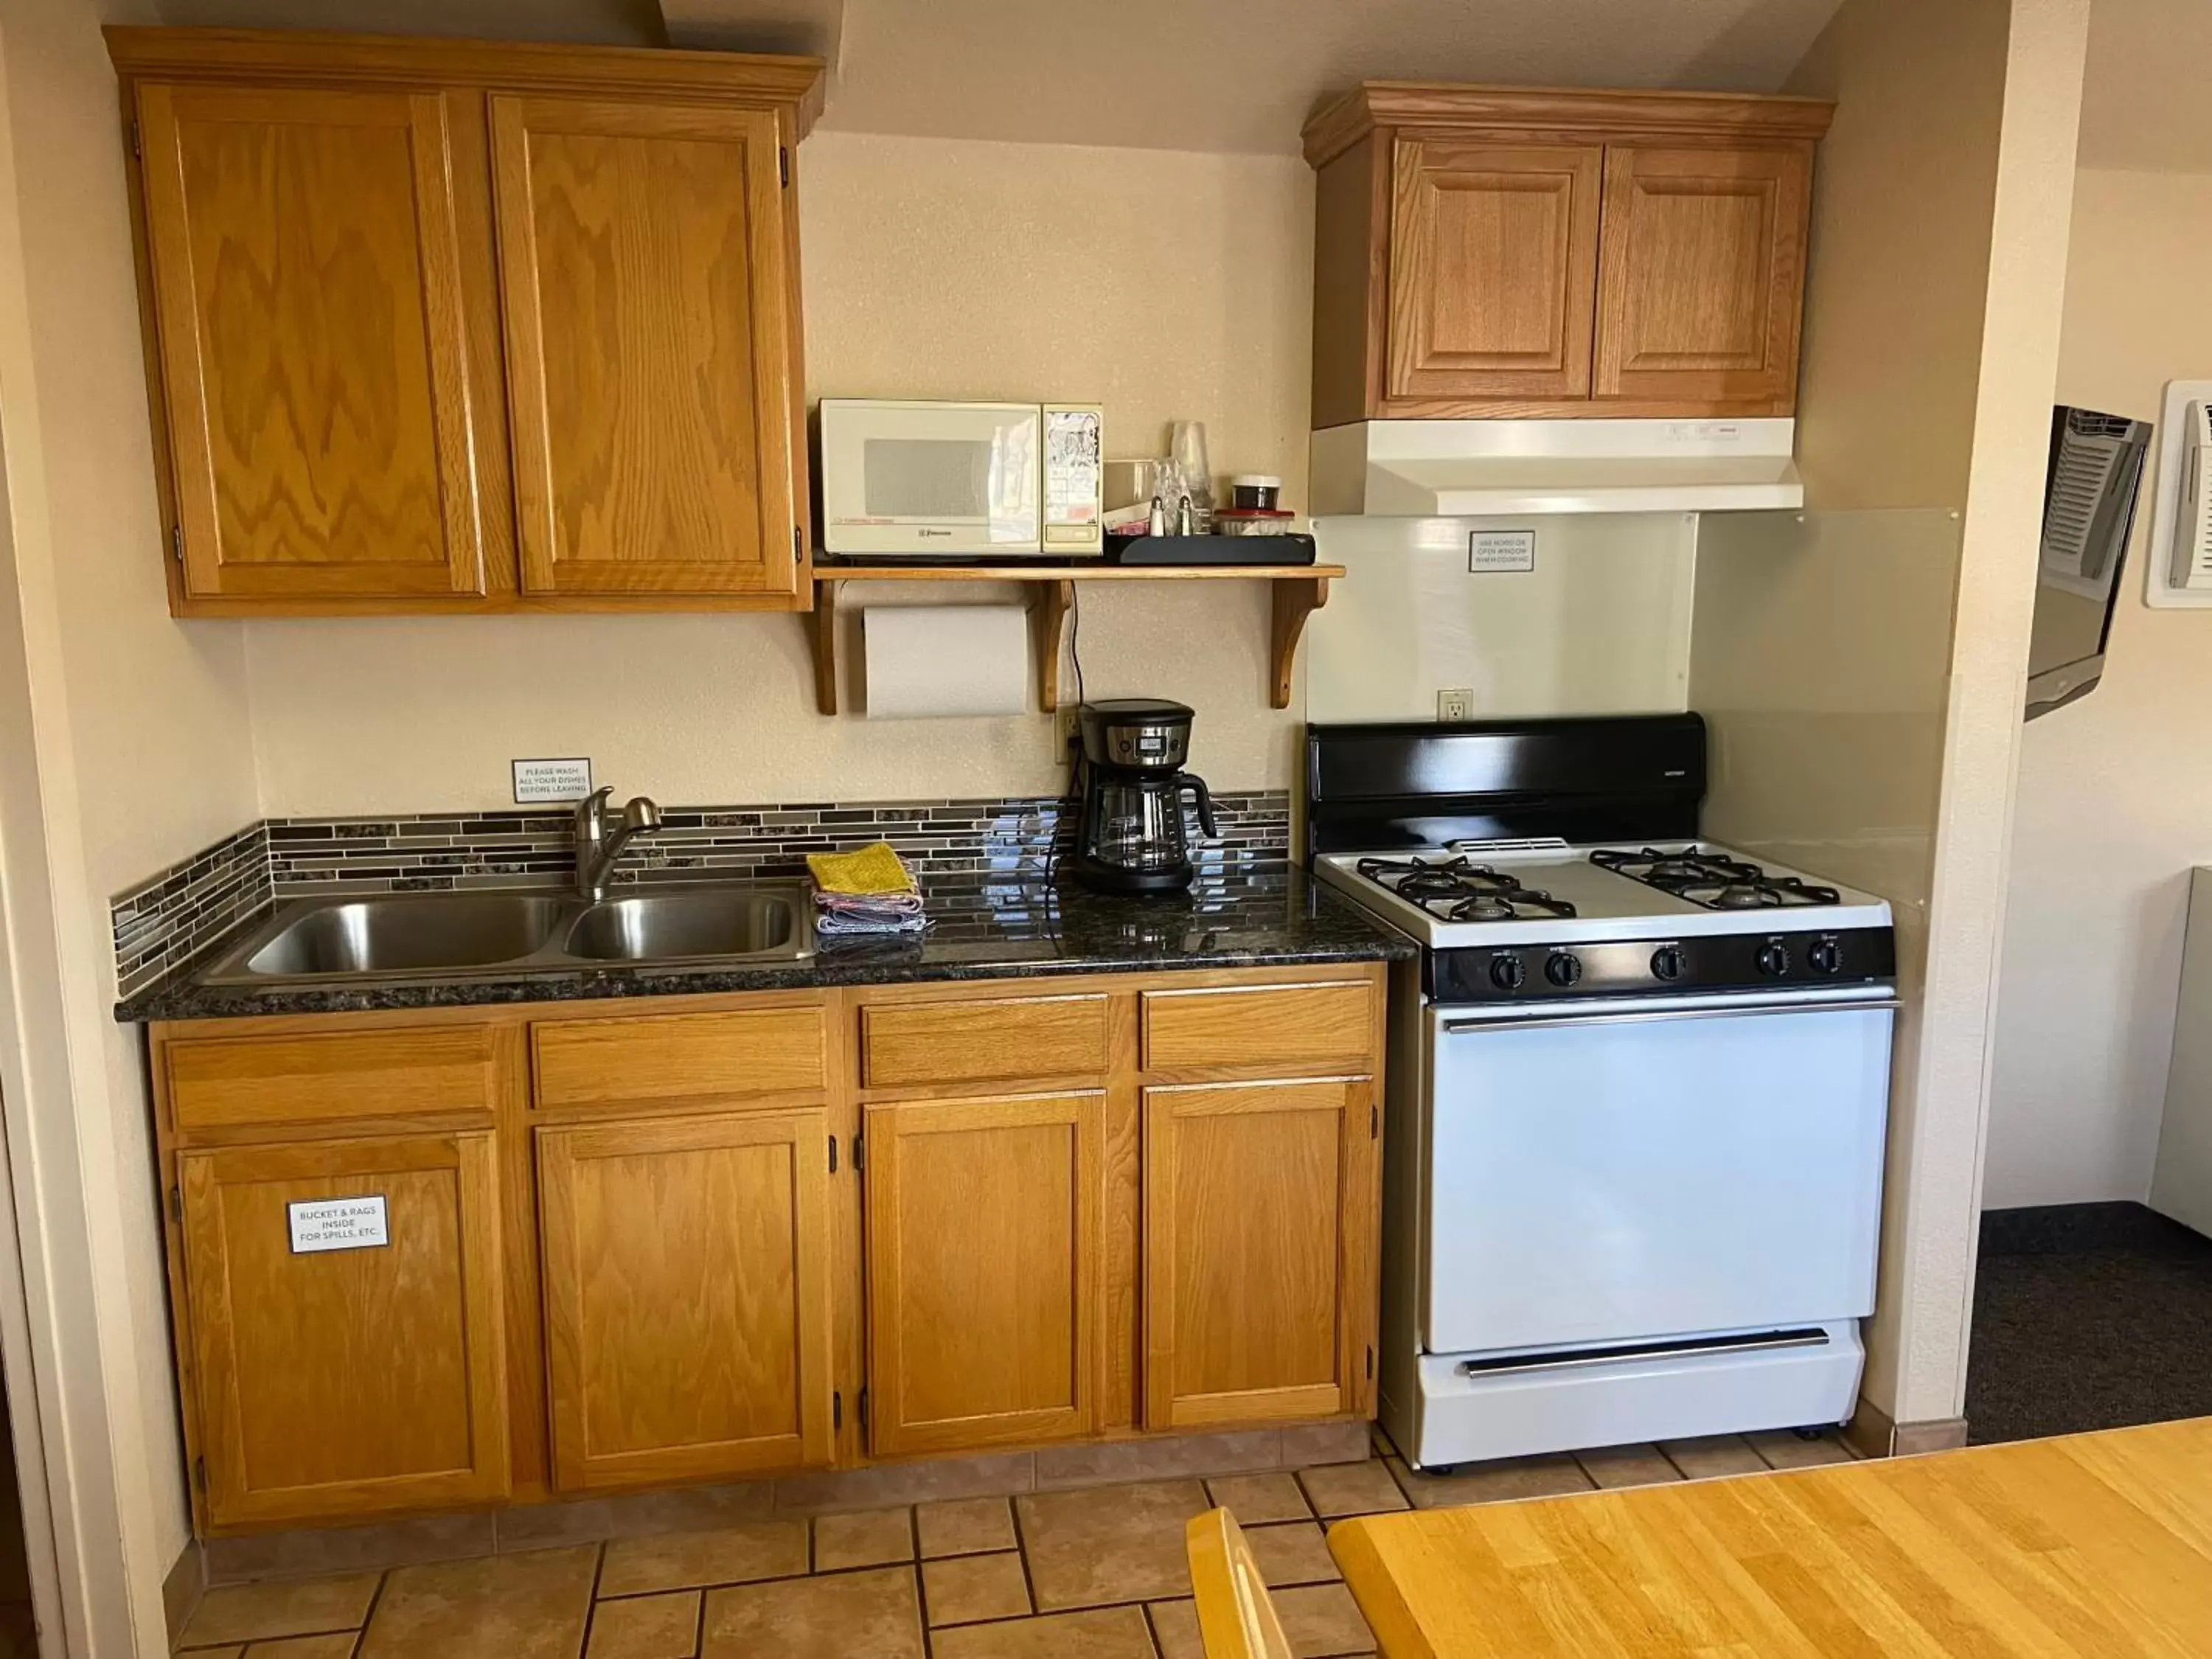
(1456, 703)
(1069, 725)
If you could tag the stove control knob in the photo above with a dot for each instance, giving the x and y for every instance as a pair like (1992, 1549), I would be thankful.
(1773, 960)
(1507, 974)
(1826, 957)
(1666, 963)
(1562, 970)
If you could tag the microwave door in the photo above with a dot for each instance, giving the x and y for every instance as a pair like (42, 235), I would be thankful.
(937, 480)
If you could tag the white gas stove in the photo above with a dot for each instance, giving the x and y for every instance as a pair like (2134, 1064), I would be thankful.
(1637, 1105)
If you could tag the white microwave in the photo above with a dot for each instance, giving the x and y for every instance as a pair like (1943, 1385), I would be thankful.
(961, 481)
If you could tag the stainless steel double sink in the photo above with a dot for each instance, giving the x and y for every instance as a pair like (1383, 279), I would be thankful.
(430, 935)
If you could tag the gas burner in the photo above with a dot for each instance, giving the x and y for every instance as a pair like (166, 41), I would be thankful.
(1459, 889)
(1715, 881)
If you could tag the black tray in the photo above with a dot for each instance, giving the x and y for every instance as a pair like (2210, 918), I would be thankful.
(1210, 549)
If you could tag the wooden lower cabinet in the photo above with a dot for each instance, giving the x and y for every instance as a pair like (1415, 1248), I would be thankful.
(353, 1381)
(1259, 1250)
(686, 1264)
(984, 1282)
(732, 1237)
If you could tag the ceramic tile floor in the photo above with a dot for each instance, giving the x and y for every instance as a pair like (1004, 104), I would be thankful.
(1092, 1573)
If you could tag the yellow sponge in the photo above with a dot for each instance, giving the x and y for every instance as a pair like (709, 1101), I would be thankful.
(874, 869)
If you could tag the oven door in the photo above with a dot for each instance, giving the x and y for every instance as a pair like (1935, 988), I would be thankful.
(941, 480)
(1597, 1174)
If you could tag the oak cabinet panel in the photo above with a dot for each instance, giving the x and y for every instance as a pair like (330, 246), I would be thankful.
(643, 251)
(253, 1082)
(1493, 268)
(662, 1059)
(1288, 1029)
(984, 1270)
(1258, 1250)
(308, 283)
(1497, 252)
(346, 1383)
(457, 327)
(1703, 272)
(687, 1297)
(983, 1040)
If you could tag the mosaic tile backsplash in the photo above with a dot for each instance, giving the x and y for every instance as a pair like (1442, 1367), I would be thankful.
(165, 921)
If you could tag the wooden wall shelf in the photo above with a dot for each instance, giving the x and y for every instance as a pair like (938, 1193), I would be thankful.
(1299, 591)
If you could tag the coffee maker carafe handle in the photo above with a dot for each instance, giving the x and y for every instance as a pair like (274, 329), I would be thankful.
(1196, 785)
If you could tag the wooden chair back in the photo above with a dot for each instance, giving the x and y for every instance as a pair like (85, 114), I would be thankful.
(1236, 1619)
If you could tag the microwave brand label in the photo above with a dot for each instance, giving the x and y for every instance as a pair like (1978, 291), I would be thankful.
(1493, 551)
(339, 1223)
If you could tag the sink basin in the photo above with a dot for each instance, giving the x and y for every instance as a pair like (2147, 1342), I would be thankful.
(414, 933)
(672, 927)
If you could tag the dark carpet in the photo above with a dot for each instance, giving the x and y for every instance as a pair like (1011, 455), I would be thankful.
(2088, 1317)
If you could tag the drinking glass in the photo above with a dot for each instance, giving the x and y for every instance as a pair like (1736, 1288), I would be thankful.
(1194, 475)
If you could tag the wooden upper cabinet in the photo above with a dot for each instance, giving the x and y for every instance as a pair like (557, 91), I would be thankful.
(1702, 273)
(1493, 268)
(687, 1297)
(1491, 252)
(352, 1381)
(648, 306)
(312, 342)
(440, 325)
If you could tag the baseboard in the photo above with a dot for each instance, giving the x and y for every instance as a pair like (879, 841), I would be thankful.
(182, 1590)
(1872, 1433)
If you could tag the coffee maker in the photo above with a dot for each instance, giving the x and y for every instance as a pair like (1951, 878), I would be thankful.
(1132, 838)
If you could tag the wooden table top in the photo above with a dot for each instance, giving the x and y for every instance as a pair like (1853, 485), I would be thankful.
(2093, 1547)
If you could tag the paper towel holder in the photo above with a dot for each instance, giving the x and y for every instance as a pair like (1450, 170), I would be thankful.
(1299, 591)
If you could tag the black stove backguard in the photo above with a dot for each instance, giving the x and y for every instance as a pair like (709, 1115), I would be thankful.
(1419, 783)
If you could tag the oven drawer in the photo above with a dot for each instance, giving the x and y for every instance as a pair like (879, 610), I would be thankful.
(1651, 1173)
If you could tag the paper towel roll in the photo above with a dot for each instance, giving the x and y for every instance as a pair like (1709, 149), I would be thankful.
(946, 659)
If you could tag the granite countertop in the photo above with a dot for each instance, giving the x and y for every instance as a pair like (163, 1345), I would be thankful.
(984, 927)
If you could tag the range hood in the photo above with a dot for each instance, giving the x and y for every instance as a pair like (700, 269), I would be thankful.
(1478, 469)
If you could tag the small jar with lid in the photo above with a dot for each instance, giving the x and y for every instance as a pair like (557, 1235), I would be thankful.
(1255, 492)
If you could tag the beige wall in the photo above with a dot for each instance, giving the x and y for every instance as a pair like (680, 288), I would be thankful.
(137, 751)
(2116, 788)
(1160, 284)
(1861, 667)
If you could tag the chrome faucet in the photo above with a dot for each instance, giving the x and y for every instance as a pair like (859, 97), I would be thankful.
(599, 843)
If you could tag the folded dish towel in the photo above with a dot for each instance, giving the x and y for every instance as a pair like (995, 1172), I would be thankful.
(867, 891)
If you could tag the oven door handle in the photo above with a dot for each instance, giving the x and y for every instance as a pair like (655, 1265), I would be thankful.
(1642, 1017)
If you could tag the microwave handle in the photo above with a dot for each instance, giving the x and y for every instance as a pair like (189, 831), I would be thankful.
(1196, 786)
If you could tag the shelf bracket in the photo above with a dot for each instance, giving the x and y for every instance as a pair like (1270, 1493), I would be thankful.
(1296, 599)
(1048, 609)
(821, 629)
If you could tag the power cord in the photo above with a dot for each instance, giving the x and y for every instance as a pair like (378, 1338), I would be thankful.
(1072, 803)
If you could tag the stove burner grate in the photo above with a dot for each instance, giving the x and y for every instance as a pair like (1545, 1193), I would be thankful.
(1714, 880)
(1459, 890)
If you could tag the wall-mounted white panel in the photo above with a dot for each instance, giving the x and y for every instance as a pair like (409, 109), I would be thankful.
(1600, 625)
(2178, 482)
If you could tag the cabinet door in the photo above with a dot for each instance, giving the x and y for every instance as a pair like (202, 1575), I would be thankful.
(1259, 1250)
(1493, 268)
(1701, 279)
(307, 292)
(643, 251)
(687, 1297)
(983, 1219)
(337, 1383)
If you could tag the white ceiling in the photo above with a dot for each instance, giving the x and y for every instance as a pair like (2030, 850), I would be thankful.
(2147, 103)
(1203, 74)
